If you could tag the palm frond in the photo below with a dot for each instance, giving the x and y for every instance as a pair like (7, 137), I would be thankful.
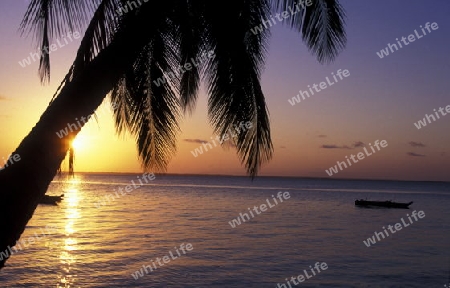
(190, 33)
(147, 110)
(49, 20)
(321, 25)
(108, 22)
(71, 161)
(235, 93)
(99, 33)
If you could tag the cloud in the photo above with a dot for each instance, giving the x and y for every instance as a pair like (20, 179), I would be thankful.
(329, 146)
(197, 141)
(3, 98)
(322, 136)
(356, 144)
(416, 144)
(415, 154)
(332, 146)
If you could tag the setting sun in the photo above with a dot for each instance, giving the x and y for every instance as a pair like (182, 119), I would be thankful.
(79, 143)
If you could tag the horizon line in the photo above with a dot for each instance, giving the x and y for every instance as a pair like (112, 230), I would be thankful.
(260, 176)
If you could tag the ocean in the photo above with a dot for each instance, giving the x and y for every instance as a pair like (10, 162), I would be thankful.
(204, 231)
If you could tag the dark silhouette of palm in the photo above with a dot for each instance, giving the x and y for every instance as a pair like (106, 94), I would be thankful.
(129, 45)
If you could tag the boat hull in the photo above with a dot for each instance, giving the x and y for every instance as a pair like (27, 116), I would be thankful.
(50, 200)
(386, 204)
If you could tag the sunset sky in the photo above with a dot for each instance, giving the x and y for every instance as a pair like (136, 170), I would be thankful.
(380, 100)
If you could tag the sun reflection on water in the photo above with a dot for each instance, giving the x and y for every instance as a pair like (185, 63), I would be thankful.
(69, 245)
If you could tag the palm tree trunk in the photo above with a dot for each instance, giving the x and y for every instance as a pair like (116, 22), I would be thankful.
(42, 151)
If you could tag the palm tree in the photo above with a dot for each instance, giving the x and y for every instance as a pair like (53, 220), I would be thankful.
(123, 52)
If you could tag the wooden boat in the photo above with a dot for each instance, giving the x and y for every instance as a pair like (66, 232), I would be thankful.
(387, 204)
(51, 200)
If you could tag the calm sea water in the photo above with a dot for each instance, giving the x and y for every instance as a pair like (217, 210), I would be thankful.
(90, 246)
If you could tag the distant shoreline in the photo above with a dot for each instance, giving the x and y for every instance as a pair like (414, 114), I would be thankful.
(262, 176)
